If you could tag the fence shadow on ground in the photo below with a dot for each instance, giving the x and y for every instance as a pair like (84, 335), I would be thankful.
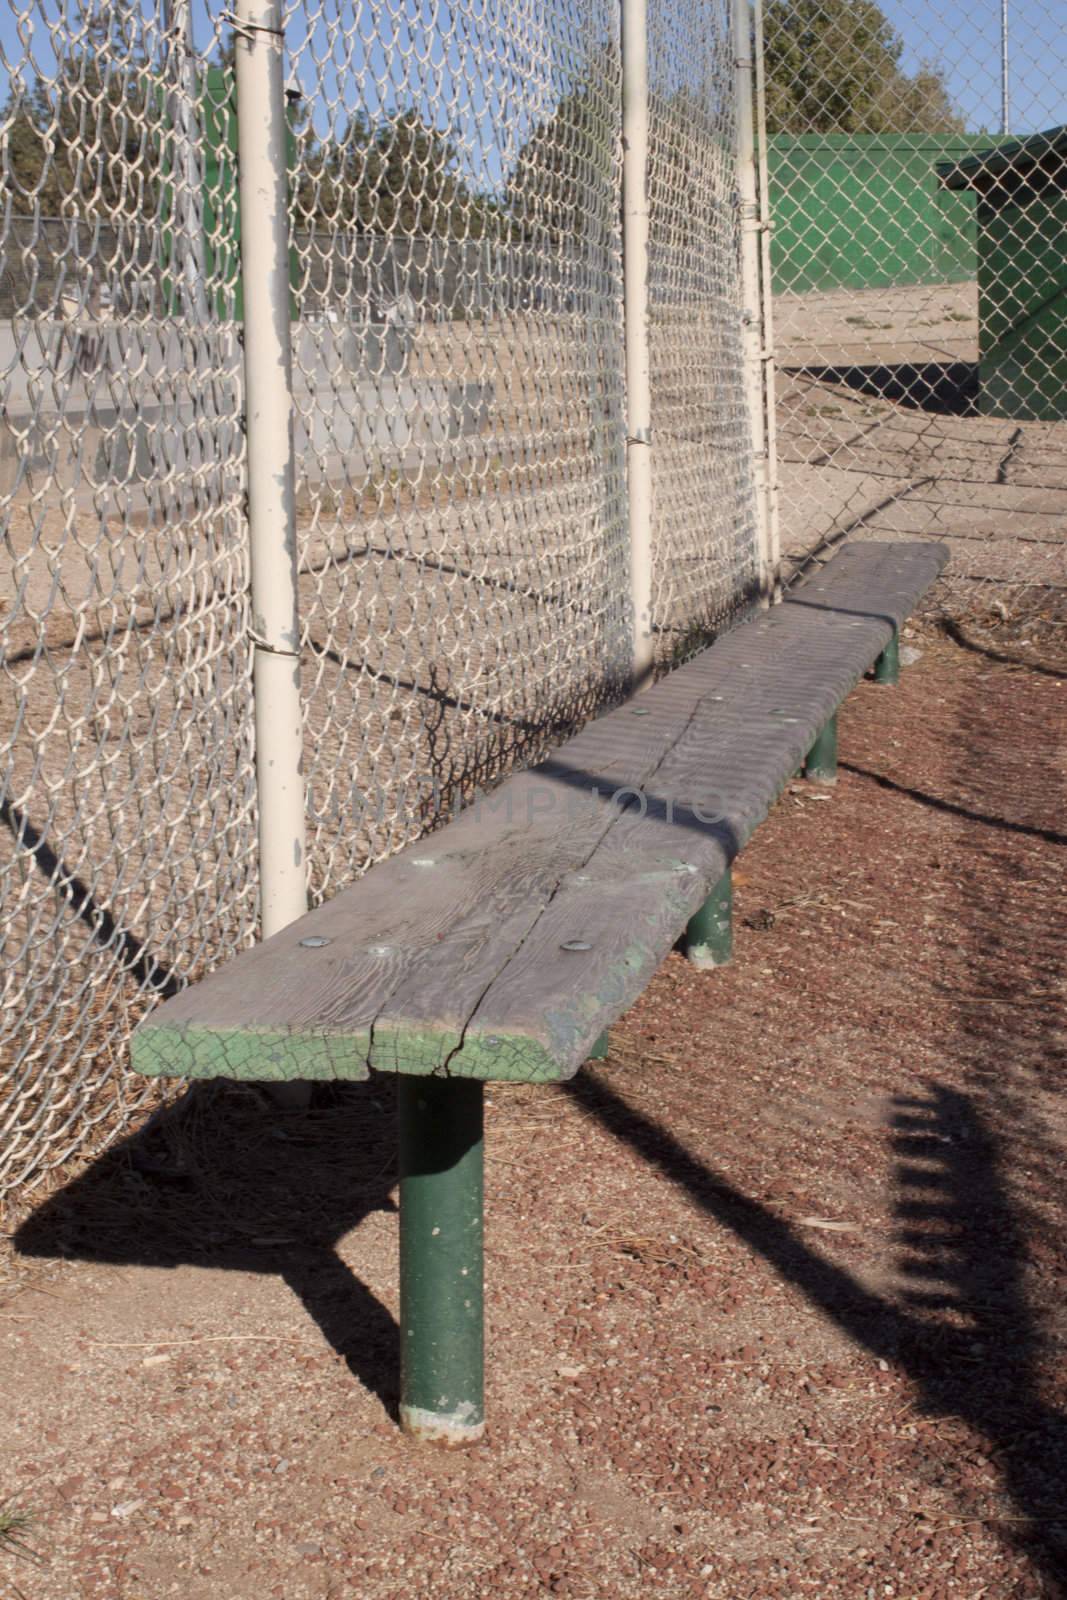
(951, 807)
(220, 1180)
(133, 955)
(963, 1331)
(945, 388)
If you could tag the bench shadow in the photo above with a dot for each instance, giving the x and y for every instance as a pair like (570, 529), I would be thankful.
(962, 1329)
(944, 388)
(222, 1179)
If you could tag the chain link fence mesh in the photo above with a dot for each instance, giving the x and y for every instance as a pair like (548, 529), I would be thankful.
(126, 788)
(705, 555)
(459, 390)
(918, 190)
(459, 418)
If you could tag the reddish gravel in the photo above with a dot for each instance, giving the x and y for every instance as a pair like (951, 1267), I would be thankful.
(776, 1292)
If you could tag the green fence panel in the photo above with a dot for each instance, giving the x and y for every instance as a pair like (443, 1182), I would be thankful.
(866, 211)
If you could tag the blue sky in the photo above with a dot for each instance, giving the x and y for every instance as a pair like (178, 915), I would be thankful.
(493, 108)
(963, 36)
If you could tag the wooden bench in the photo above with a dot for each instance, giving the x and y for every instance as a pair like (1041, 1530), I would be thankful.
(502, 946)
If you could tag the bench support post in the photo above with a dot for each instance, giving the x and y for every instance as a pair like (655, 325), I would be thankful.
(709, 936)
(887, 666)
(442, 1339)
(821, 762)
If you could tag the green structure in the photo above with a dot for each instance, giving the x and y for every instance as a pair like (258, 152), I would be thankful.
(219, 217)
(442, 1355)
(866, 211)
(1021, 191)
(709, 936)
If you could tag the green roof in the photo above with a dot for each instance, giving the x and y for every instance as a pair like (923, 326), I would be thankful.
(1046, 150)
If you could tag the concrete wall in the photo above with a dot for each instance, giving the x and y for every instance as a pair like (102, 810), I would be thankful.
(92, 407)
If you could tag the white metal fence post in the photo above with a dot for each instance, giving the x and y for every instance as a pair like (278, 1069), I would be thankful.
(752, 284)
(634, 38)
(263, 200)
(768, 381)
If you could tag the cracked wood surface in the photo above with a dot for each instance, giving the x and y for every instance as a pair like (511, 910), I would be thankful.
(501, 946)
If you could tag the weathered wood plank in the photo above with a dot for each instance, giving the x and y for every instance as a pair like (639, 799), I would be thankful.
(444, 912)
(758, 698)
(501, 946)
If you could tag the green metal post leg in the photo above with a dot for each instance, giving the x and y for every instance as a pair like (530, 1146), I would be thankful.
(442, 1352)
(821, 763)
(709, 937)
(887, 667)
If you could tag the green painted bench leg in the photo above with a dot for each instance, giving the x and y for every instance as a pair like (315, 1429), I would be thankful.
(709, 937)
(821, 763)
(442, 1349)
(887, 667)
(600, 1049)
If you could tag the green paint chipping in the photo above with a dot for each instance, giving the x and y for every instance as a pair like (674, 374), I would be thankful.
(442, 1339)
(575, 1024)
(421, 1051)
(887, 667)
(820, 765)
(709, 935)
(241, 1053)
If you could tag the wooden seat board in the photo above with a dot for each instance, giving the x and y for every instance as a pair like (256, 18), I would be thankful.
(452, 956)
(453, 903)
(759, 696)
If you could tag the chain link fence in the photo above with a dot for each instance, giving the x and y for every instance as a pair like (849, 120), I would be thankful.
(464, 531)
(127, 851)
(461, 498)
(705, 548)
(459, 418)
(917, 166)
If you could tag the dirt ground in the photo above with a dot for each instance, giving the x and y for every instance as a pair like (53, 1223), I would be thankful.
(775, 1293)
(879, 435)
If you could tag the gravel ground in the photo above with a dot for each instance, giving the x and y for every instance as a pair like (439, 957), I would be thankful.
(775, 1292)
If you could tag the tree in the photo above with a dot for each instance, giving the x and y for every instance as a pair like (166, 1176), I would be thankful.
(833, 66)
(81, 143)
(565, 169)
(397, 176)
(563, 190)
(92, 141)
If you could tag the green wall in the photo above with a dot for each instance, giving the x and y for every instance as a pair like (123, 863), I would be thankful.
(217, 114)
(1022, 304)
(866, 211)
(222, 230)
